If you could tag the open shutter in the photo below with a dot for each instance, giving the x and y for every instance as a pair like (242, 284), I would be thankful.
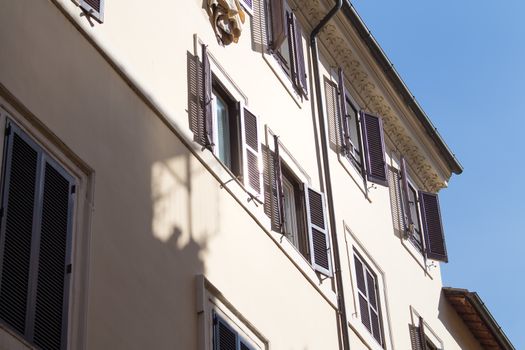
(432, 226)
(94, 7)
(279, 23)
(224, 337)
(299, 63)
(421, 334)
(278, 185)
(318, 230)
(206, 99)
(409, 225)
(18, 210)
(343, 112)
(374, 148)
(251, 150)
(50, 327)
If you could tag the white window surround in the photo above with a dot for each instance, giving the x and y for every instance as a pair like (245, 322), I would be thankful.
(84, 180)
(352, 243)
(209, 301)
(429, 332)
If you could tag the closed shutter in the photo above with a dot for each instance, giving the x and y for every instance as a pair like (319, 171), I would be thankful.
(409, 225)
(318, 230)
(224, 337)
(94, 7)
(18, 206)
(343, 112)
(35, 243)
(299, 63)
(50, 328)
(279, 23)
(432, 226)
(279, 204)
(374, 148)
(251, 150)
(206, 99)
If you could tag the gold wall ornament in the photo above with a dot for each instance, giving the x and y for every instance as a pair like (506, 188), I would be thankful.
(227, 17)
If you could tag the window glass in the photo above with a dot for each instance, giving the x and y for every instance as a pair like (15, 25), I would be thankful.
(290, 217)
(223, 130)
(414, 214)
(353, 132)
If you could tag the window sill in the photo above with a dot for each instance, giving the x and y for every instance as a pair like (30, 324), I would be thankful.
(362, 333)
(285, 80)
(354, 173)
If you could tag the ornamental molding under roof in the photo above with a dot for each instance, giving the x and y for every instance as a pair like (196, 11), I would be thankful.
(373, 92)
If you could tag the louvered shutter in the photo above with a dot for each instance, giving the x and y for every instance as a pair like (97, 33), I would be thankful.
(299, 63)
(409, 225)
(432, 226)
(224, 337)
(251, 150)
(374, 148)
(415, 338)
(318, 230)
(343, 112)
(18, 206)
(278, 185)
(50, 327)
(421, 334)
(207, 99)
(35, 243)
(279, 23)
(94, 7)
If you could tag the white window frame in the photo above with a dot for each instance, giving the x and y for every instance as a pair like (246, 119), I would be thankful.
(211, 301)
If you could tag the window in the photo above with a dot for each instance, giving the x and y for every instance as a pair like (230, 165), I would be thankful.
(368, 295)
(35, 242)
(95, 8)
(360, 128)
(226, 337)
(225, 129)
(422, 337)
(296, 210)
(228, 129)
(427, 233)
(287, 43)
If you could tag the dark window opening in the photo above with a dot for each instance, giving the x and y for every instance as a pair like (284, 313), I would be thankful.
(416, 237)
(353, 134)
(294, 226)
(226, 129)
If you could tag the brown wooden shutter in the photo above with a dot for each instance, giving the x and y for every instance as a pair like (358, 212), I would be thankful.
(299, 62)
(207, 99)
(421, 334)
(343, 112)
(374, 148)
(279, 23)
(18, 207)
(35, 243)
(50, 325)
(278, 185)
(432, 226)
(409, 225)
(318, 230)
(251, 150)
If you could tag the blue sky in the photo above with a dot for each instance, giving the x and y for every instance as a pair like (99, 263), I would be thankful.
(465, 63)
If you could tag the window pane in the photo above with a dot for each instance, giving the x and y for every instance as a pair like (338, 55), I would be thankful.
(365, 316)
(371, 290)
(223, 130)
(290, 217)
(353, 132)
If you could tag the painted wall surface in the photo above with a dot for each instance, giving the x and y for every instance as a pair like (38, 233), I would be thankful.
(162, 210)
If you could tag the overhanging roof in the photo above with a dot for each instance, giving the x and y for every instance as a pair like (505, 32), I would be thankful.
(478, 319)
(388, 67)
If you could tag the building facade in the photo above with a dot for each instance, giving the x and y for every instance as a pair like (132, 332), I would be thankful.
(214, 175)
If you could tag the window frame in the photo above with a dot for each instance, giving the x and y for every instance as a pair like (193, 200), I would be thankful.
(58, 152)
(358, 164)
(420, 246)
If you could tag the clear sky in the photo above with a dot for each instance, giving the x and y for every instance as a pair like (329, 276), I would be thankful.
(465, 63)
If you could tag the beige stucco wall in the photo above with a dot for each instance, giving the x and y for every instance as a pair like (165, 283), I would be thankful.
(160, 216)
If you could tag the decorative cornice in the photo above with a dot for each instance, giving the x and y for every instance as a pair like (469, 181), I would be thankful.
(375, 100)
